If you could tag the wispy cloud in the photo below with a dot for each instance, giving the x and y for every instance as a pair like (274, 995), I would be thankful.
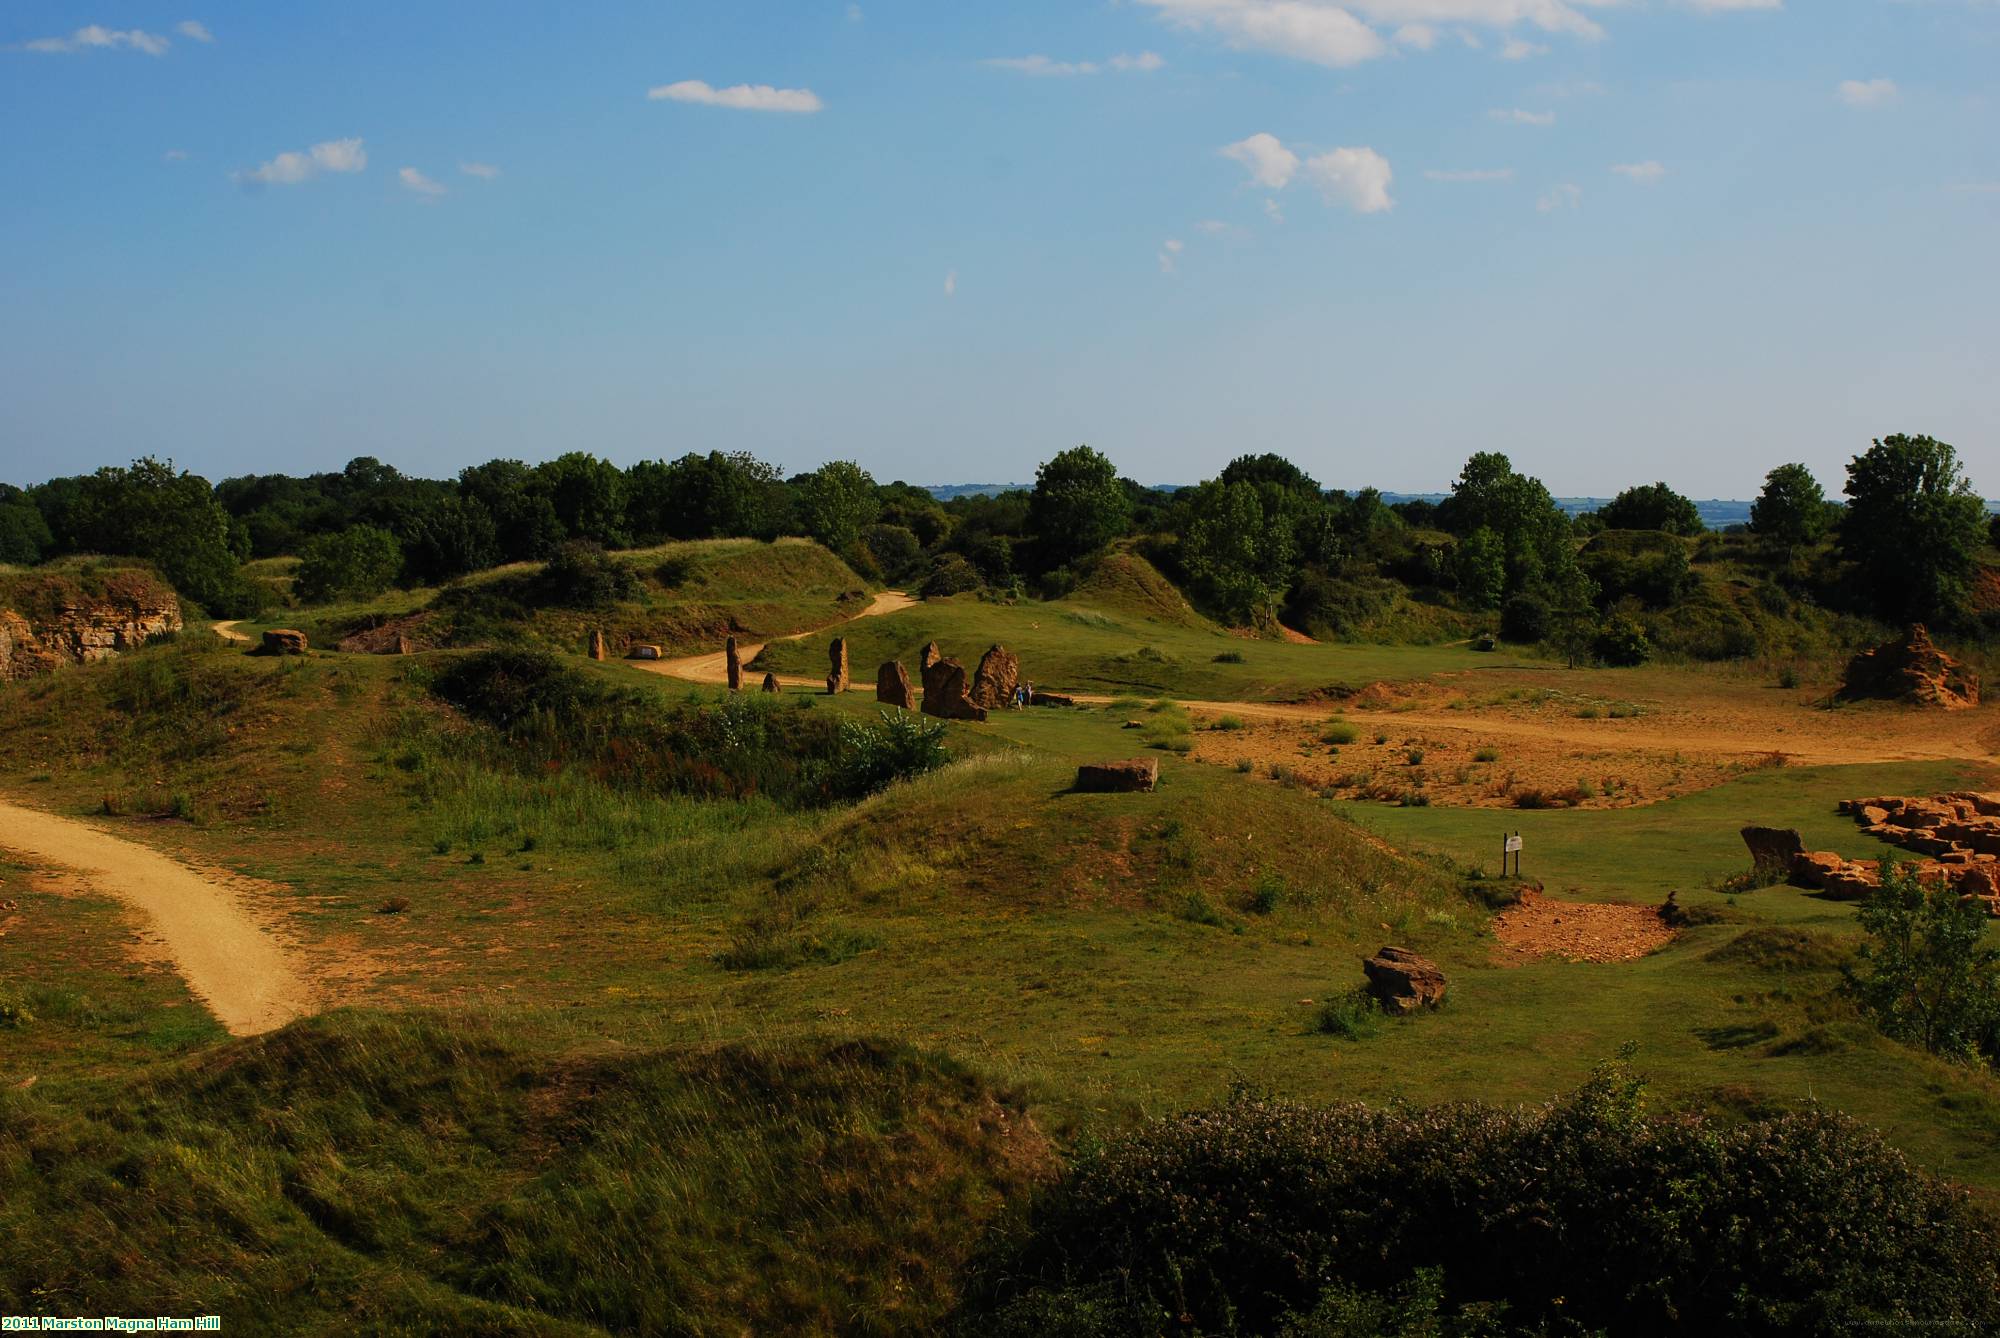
(1645, 173)
(1518, 116)
(1516, 48)
(1271, 164)
(289, 169)
(417, 183)
(1350, 31)
(96, 37)
(1566, 196)
(1868, 93)
(1358, 179)
(951, 283)
(1731, 6)
(1043, 67)
(194, 30)
(1170, 254)
(739, 97)
(484, 171)
(174, 156)
(1471, 174)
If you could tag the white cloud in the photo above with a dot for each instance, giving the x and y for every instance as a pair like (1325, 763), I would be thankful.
(195, 30)
(1040, 66)
(98, 37)
(1170, 251)
(1645, 173)
(1516, 116)
(1730, 6)
(951, 283)
(1340, 34)
(484, 171)
(739, 97)
(1867, 93)
(416, 181)
(1275, 210)
(1565, 196)
(1472, 174)
(1516, 48)
(291, 168)
(1356, 178)
(1271, 164)
(1214, 227)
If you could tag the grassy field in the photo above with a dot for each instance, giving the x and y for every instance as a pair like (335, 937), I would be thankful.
(1096, 958)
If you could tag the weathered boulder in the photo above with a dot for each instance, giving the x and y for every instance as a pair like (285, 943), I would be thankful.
(732, 664)
(892, 685)
(1911, 669)
(1851, 882)
(1772, 849)
(1402, 981)
(996, 680)
(771, 683)
(1811, 868)
(643, 651)
(927, 657)
(836, 670)
(944, 692)
(1136, 775)
(597, 647)
(283, 641)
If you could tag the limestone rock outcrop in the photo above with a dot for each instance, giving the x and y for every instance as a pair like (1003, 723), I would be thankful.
(67, 626)
(1911, 669)
(996, 680)
(283, 641)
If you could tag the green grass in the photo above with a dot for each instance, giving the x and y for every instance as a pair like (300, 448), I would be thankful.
(1072, 646)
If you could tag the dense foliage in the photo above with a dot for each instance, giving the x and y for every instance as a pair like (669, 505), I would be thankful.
(1585, 1215)
(1913, 528)
(1926, 974)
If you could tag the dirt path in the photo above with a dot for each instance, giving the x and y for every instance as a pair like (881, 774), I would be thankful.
(248, 979)
(714, 668)
(226, 629)
(1578, 931)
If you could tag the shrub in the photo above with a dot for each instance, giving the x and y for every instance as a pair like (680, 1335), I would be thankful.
(581, 575)
(1351, 1016)
(1621, 640)
(1487, 754)
(1338, 733)
(1414, 756)
(1265, 894)
(1526, 618)
(950, 575)
(1583, 1215)
(355, 563)
(1926, 976)
(874, 757)
(1227, 722)
(1229, 657)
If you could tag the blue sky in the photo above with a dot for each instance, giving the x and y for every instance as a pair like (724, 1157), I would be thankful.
(1680, 239)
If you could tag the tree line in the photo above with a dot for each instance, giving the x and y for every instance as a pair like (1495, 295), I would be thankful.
(1261, 543)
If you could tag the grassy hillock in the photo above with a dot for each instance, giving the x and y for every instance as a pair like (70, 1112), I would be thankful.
(435, 1174)
(1124, 583)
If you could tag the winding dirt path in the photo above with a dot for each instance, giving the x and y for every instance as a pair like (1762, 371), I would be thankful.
(714, 668)
(229, 958)
(226, 629)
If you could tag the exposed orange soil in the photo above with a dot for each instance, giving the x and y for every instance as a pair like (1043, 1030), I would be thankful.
(1578, 931)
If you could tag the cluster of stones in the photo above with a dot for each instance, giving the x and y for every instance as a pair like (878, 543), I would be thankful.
(1957, 833)
(949, 694)
(1911, 669)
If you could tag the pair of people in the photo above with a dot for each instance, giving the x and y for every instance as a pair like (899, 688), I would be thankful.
(1024, 696)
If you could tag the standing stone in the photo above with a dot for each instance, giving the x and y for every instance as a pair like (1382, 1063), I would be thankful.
(927, 657)
(1773, 850)
(836, 672)
(996, 679)
(771, 683)
(892, 685)
(944, 692)
(284, 641)
(597, 651)
(734, 663)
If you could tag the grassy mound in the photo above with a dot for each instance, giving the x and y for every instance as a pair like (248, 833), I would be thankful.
(1125, 583)
(416, 1173)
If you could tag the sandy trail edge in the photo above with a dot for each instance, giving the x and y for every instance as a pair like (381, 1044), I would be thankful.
(714, 668)
(248, 979)
(227, 630)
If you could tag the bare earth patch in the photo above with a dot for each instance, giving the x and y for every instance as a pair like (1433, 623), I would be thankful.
(1577, 931)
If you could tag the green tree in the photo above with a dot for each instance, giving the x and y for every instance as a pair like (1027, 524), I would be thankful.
(1237, 560)
(1791, 512)
(722, 496)
(168, 517)
(1651, 506)
(1480, 565)
(450, 537)
(835, 501)
(588, 495)
(1913, 528)
(24, 534)
(1926, 975)
(524, 519)
(355, 563)
(1534, 532)
(1078, 506)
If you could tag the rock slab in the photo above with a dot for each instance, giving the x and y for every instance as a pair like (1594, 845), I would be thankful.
(944, 692)
(1773, 849)
(1402, 981)
(996, 680)
(892, 686)
(284, 641)
(771, 683)
(1137, 775)
(732, 663)
(836, 669)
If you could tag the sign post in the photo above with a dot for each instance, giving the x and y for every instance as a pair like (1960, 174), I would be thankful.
(1512, 847)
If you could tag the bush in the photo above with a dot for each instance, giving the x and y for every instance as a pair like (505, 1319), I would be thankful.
(874, 757)
(581, 575)
(1351, 1016)
(1229, 657)
(1926, 975)
(1584, 1215)
(1622, 641)
(950, 575)
(1526, 618)
(1338, 733)
(358, 562)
